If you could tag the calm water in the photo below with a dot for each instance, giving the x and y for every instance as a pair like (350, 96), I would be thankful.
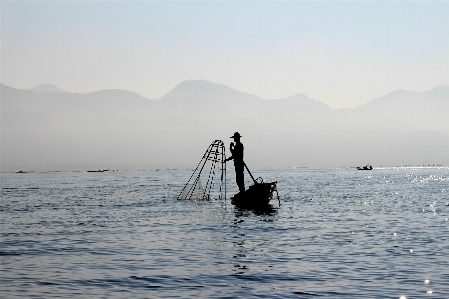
(337, 234)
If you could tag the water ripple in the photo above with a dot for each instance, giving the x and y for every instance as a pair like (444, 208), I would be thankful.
(338, 233)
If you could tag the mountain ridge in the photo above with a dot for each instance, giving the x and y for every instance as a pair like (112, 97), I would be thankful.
(47, 88)
(116, 129)
(406, 99)
(190, 89)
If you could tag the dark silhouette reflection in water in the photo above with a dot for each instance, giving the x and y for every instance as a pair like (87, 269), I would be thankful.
(268, 210)
(247, 241)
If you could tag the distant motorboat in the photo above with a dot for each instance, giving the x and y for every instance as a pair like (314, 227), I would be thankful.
(367, 167)
(104, 170)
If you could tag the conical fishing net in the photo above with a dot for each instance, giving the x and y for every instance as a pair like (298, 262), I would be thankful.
(208, 179)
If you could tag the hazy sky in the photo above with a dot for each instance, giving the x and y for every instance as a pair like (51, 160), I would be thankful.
(343, 53)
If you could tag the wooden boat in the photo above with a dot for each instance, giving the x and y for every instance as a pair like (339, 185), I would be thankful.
(256, 196)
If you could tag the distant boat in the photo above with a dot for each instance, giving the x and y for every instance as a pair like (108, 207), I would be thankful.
(256, 196)
(98, 170)
(20, 171)
(367, 167)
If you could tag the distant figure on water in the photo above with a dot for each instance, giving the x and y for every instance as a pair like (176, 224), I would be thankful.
(367, 167)
(237, 156)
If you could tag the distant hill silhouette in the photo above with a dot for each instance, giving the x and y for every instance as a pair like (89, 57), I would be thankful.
(206, 90)
(223, 96)
(433, 99)
(411, 110)
(440, 92)
(120, 129)
(114, 94)
(47, 88)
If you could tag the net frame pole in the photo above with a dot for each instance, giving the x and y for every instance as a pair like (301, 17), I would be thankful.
(210, 179)
(223, 170)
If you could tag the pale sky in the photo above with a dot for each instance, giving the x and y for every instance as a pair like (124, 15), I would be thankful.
(343, 53)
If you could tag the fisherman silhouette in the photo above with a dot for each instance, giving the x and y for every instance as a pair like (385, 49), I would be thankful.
(237, 156)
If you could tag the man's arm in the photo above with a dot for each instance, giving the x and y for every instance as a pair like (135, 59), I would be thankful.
(231, 148)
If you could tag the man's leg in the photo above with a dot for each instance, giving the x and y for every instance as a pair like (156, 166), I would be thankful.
(240, 178)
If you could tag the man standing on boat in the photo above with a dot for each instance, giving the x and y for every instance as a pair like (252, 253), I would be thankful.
(237, 156)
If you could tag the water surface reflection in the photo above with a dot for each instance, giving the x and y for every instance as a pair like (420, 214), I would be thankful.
(337, 234)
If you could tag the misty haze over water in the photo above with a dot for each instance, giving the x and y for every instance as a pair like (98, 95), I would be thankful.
(46, 128)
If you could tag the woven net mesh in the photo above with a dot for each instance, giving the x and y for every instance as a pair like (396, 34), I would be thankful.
(194, 192)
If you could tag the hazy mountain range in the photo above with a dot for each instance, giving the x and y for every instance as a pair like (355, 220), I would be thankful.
(47, 128)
